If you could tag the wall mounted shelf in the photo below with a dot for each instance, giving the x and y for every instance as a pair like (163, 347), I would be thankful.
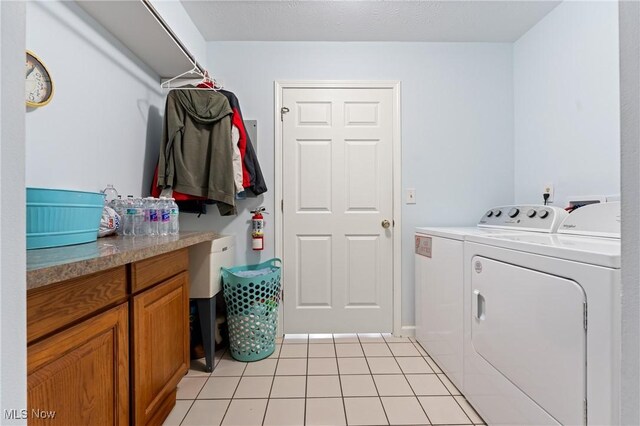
(141, 28)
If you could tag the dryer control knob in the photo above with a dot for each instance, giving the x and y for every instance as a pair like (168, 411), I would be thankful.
(531, 213)
(514, 212)
(543, 214)
(490, 213)
(497, 213)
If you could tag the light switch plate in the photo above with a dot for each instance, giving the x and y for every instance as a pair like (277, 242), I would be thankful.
(411, 196)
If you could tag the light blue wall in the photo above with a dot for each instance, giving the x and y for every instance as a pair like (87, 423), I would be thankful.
(457, 125)
(567, 103)
(103, 124)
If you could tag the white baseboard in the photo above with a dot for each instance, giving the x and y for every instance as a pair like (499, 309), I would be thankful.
(408, 331)
(405, 330)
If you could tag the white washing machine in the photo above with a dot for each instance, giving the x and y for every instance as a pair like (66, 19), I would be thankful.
(439, 277)
(542, 323)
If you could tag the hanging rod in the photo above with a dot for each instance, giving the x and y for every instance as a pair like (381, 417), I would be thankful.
(167, 28)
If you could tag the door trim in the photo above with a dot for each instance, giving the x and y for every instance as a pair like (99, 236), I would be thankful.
(395, 85)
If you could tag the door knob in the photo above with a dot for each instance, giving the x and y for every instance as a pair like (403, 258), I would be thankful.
(386, 224)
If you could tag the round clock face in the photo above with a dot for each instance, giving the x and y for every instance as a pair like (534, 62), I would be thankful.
(38, 84)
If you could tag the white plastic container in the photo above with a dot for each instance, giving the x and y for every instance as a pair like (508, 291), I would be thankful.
(174, 224)
(129, 216)
(110, 194)
(139, 224)
(164, 213)
(205, 261)
(152, 216)
(118, 205)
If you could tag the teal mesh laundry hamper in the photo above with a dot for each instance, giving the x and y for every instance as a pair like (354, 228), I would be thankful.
(252, 295)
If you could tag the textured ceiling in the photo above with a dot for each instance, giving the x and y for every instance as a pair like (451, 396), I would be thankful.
(339, 20)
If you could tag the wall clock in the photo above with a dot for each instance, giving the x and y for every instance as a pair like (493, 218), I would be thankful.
(38, 83)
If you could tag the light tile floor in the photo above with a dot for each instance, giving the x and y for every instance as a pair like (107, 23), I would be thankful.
(324, 379)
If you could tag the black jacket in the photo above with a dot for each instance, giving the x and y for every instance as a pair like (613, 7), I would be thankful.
(258, 185)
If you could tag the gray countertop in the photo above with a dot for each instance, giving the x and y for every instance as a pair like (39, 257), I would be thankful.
(52, 265)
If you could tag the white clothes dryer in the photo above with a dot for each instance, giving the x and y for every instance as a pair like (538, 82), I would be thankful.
(439, 277)
(542, 323)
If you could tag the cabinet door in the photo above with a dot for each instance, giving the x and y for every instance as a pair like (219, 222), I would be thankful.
(81, 375)
(160, 347)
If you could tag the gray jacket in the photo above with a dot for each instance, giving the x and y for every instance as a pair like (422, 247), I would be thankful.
(196, 154)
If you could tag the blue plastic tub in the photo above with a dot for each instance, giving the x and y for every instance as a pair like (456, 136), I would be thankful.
(57, 217)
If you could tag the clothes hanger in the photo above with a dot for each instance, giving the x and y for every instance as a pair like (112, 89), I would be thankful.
(194, 70)
(208, 82)
(167, 84)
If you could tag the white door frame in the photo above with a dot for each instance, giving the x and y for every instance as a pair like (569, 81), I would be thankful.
(279, 86)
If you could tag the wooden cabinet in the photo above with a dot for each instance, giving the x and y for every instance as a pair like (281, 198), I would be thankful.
(57, 306)
(160, 347)
(82, 373)
(110, 348)
(151, 271)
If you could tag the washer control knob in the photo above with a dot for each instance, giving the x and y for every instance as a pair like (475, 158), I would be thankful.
(531, 213)
(490, 213)
(497, 213)
(543, 214)
(514, 212)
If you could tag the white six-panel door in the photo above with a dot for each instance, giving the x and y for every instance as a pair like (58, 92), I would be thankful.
(337, 191)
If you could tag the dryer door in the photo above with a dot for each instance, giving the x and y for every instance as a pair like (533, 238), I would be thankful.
(530, 327)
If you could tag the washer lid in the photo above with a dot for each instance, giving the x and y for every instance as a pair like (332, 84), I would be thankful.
(596, 220)
(592, 250)
(460, 233)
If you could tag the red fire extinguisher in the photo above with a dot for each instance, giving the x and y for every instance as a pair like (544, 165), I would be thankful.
(257, 229)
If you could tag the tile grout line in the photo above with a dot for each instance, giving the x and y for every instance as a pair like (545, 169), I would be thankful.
(375, 385)
(193, 401)
(235, 390)
(465, 412)
(314, 397)
(409, 383)
(344, 406)
(187, 412)
(453, 396)
(205, 383)
(306, 381)
(307, 369)
(273, 380)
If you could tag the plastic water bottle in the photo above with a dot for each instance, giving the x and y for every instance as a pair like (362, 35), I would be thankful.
(117, 204)
(129, 216)
(152, 216)
(147, 215)
(110, 194)
(165, 216)
(138, 224)
(174, 225)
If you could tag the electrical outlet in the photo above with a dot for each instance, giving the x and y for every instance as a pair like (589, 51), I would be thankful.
(548, 189)
(411, 196)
